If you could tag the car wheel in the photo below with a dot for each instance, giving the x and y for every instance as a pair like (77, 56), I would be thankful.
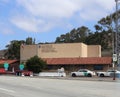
(89, 75)
(101, 75)
(73, 75)
(61, 75)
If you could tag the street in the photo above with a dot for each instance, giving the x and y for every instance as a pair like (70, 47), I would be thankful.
(12, 86)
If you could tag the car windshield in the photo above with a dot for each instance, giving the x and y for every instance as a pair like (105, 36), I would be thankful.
(82, 70)
(111, 71)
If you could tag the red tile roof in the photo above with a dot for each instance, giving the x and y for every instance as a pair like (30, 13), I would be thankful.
(90, 60)
(8, 61)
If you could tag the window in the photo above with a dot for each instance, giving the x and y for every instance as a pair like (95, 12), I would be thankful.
(98, 67)
(82, 66)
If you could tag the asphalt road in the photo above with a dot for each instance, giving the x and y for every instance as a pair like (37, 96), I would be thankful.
(43, 87)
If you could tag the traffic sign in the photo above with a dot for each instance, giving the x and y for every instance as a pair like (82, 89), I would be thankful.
(6, 65)
(21, 66)
(114, 57)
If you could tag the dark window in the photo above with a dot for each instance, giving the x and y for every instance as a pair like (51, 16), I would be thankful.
(98, 67)
(82, 66)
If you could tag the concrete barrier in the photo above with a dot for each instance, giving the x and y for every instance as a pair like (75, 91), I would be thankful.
(52, 74)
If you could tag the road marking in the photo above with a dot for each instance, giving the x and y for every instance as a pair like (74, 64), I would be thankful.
(7, 90)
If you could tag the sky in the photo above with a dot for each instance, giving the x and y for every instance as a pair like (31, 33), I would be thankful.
(45, 20)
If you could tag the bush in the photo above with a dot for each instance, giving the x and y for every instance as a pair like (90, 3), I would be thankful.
(1, 66)
(35, 64)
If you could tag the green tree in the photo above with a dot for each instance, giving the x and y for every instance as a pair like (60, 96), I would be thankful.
(75, 35)
(13, 49)
(30, 41)
(81, 34)
(35, 64)
(98, 28)
(103, 34)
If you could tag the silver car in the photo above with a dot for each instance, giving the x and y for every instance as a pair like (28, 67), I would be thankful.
(108, 73)
(83, 72)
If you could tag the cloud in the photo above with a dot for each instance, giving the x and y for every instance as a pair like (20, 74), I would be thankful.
(108, 5)
(25, 23)
(93, 10)
(31, 24)
(44, 15)
(49, 8)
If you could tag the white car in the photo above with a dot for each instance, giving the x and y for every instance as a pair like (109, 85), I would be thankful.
(83, 72)
(108, 73)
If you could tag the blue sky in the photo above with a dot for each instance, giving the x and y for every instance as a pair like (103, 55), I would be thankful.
(45, 20)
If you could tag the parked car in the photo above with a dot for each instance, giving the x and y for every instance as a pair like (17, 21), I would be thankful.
(108, 73)
(5, 72)
(23, 73)
(83, 72)
(2, 71)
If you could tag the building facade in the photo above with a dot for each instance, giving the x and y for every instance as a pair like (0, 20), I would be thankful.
(61, 50)
(71, 56)
(13, 64)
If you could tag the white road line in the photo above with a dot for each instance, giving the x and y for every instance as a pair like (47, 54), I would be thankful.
(7, 90)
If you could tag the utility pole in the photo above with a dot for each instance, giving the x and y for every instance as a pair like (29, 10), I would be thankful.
(116, 44)
(117, 29)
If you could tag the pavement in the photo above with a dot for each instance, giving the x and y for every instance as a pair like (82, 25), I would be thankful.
(94, 78)
(15, 86)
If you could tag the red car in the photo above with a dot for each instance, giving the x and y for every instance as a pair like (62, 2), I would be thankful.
(2, 71)
(23, 73)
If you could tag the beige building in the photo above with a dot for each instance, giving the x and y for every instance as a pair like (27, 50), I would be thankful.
(61, 50)
(71, 56)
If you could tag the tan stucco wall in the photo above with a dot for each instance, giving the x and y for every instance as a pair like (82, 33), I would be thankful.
(83, 50)
(94, 51)
(61, 50)
(28, 51)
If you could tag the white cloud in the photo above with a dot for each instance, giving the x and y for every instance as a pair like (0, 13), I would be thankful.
(43, 15)
(89, 15)
(106, 4)
(31, 24)
(93, 10)
(49, 8)
(25, 23)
